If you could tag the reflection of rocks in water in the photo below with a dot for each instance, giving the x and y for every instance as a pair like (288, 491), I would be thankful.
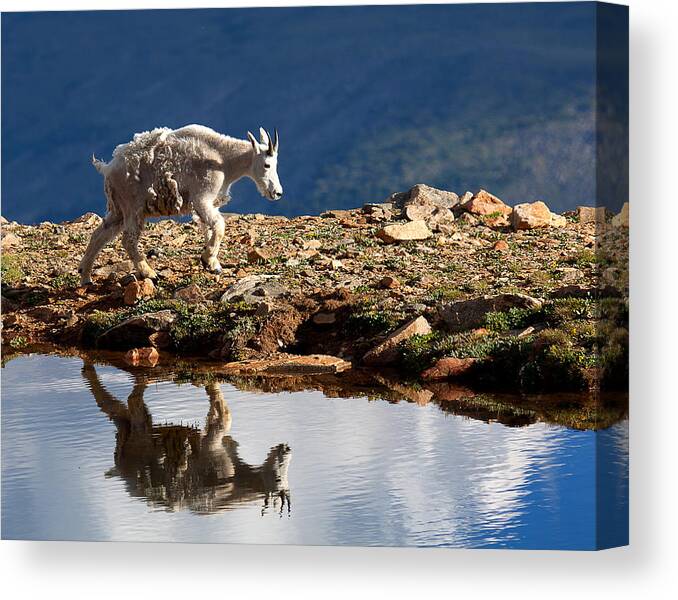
(411, 393)
(574, 410)
(178, 466)
(577, 410)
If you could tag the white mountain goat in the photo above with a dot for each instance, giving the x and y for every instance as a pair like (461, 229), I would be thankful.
(168, 172)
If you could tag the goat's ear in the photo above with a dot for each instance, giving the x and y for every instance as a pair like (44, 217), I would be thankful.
(263, 136)
(253, 141)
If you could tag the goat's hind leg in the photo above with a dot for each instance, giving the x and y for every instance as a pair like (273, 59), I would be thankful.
(108, 229)
(130, 242)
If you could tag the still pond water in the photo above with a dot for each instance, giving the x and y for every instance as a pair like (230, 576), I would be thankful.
(98, 453)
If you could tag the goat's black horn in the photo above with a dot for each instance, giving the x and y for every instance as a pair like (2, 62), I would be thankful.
(275, 138)
(270, 143)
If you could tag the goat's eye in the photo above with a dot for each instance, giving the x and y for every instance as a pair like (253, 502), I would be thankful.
(266, 165)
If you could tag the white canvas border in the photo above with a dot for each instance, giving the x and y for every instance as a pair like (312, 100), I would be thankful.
(646, 569)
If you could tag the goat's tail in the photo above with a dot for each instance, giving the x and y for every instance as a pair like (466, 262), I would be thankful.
(99, 165)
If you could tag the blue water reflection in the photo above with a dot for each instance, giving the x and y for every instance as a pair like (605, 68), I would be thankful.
(95, 454)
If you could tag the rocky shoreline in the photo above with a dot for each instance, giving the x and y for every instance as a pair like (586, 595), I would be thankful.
(436, 286)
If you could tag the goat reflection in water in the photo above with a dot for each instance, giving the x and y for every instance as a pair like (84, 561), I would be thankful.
(179, 466)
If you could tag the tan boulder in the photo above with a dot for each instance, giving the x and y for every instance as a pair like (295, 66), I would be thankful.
(501, 246)
(138, 290)
(255, 255)
(531, 216)
(10, 240)
(387, 352)
(483, 203)
(419, 212)
(191, 294)
(403, 232)
(558, 220)
(312, 244)
(389, 282)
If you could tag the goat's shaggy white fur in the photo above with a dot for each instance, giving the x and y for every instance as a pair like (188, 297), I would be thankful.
(165, 172)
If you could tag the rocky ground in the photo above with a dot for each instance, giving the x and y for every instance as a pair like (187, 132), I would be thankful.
(434, 285)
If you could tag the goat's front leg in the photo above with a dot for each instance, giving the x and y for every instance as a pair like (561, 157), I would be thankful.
(215, 227)
(130, 242)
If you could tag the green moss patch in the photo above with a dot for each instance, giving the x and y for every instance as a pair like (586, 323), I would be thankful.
(11, 270)
(195, 327)
(368, 319)
(514, 318)
(65, 281)
(578, 343)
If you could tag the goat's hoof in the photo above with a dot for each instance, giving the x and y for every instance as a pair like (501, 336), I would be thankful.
(216, 269)
(146, 274)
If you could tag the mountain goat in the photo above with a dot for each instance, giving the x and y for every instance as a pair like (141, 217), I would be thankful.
(167, 172)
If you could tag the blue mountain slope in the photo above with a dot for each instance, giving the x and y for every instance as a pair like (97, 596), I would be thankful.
(368, 100)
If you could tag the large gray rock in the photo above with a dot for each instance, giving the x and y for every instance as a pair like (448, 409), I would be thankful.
(423, 194)
(428, 204)
(253, 289)
(135, 331)
(468, 314)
